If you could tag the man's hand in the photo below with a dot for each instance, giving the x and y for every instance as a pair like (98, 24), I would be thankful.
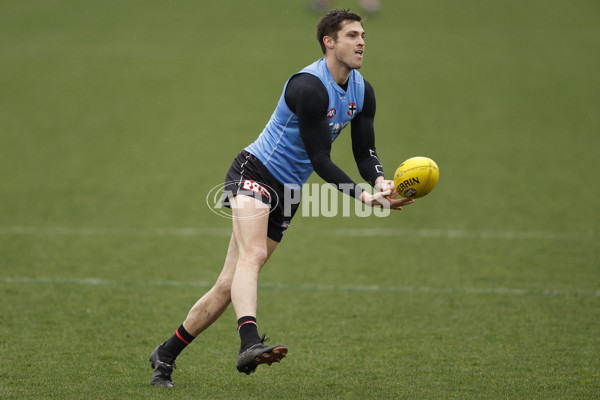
(382, 184)
(382, 199)
(385, 196)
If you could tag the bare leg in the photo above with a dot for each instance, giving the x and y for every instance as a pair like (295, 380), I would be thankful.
(250, 232)
(212, 305)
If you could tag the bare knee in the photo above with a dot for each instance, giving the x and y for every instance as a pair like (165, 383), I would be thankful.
(255, 255)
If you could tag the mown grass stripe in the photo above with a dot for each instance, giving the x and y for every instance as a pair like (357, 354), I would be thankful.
(356, 232)
(306, 287)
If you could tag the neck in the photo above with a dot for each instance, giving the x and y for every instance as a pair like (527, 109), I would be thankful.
(338, 71)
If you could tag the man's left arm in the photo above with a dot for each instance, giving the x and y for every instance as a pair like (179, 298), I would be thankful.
(363, 144)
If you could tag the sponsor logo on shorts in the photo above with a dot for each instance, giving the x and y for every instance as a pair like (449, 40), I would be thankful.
(219, 198)
(255, 187)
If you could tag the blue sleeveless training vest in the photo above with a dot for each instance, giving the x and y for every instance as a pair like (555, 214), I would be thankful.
(280, 148)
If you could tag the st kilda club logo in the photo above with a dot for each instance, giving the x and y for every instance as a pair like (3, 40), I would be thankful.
(351, 109)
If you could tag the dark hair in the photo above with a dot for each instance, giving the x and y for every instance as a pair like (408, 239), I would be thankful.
(331, 23)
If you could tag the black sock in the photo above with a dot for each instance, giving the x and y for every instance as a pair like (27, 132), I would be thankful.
(170, 349)
(248, 330)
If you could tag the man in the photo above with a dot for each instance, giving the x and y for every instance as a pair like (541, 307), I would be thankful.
(316, 104)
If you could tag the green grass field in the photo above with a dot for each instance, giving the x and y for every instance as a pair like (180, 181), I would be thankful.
(116, 119)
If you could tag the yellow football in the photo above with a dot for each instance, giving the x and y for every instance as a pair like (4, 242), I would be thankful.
(416, 177)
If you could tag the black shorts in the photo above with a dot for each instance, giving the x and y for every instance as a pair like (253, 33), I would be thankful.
(248, 176)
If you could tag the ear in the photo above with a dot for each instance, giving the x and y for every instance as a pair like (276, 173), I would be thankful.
(329, 42)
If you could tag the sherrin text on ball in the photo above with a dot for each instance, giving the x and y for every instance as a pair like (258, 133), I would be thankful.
(416, 177)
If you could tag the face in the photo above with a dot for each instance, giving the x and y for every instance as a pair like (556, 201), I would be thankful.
(349, 45)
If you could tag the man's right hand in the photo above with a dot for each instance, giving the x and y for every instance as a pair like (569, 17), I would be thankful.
(380, 199)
